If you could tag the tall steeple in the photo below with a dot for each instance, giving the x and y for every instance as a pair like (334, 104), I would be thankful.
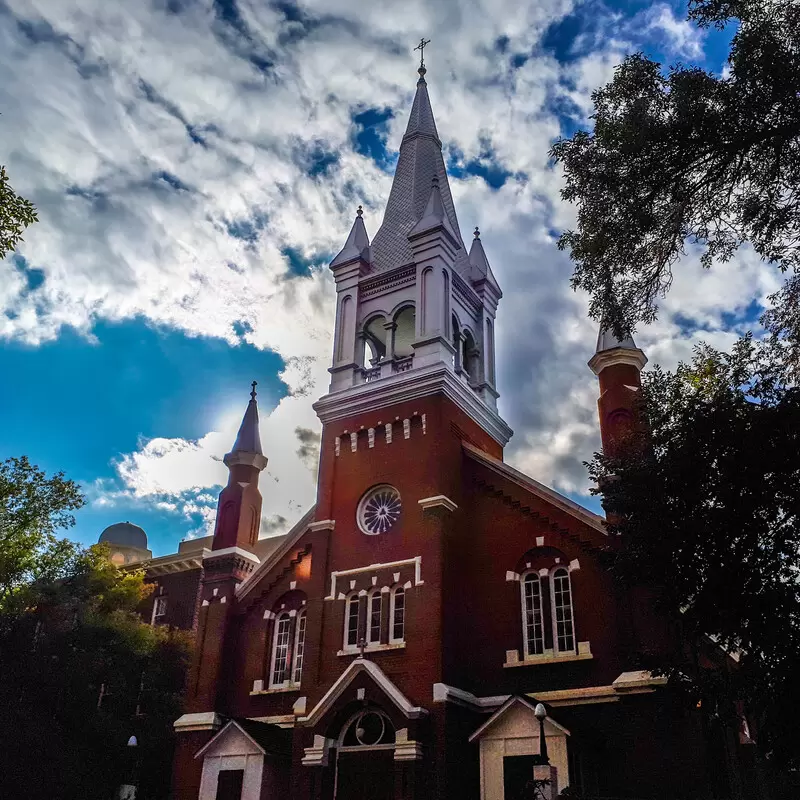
(239, 507)
(420, 161)
(415, 311)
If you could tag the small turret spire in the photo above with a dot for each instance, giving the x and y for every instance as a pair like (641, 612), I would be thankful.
(357, 244)
(248, 440)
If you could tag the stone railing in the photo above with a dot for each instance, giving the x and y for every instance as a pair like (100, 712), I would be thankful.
(403, 364)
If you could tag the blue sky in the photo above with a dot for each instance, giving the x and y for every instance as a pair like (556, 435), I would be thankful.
(196, 164)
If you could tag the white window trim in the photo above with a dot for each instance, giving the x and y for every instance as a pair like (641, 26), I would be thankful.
(523, 606)
(370, 597)
(156, 616)
(274, 652)
(551, 580)
(353, 597)
(395, 590)
(296, 640)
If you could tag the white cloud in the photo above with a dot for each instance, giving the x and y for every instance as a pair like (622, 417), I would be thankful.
(130, 99)
(683, 37)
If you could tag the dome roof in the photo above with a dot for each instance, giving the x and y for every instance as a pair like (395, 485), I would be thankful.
(126, 534)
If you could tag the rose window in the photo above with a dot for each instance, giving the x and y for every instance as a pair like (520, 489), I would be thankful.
(379, 509)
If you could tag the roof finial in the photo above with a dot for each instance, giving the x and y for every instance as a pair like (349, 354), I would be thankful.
(477, 233)
(421, 47)
(359, 211)
(253, 392)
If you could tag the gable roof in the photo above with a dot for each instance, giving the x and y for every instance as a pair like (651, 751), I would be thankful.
(355, 668)
(537, 489)
(269, 739)
(516, 700)
(277, 554)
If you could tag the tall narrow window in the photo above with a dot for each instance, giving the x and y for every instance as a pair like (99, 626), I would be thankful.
(532, 614)
(351, 622)
(564, 632)
(299, 647)
(375, 614)
(280, 651)
(398, 616)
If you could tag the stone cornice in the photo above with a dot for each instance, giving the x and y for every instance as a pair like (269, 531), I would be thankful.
(438, 501)
(412, 385)
(617, 355)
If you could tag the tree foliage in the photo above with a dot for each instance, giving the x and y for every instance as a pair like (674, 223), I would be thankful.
(688, 156)
(81, 671)
(16, 213)
(710, 511)
(32, 508)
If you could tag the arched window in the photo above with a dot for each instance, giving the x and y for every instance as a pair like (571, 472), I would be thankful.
(397, 631)
(375, 340)
(279, 673)
(405, 331)
(299, 647)
(351, 621)
(374, 617)
(469, 358)
(455, 334)
(563, 622)
(533, 627)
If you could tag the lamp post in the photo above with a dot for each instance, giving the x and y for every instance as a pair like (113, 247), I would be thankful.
(540, 712)
(128, 790)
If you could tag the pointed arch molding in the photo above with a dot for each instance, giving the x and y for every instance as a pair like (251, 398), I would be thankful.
(416, 562)
(358, 666)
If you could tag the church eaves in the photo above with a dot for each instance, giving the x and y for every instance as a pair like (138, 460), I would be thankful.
(420, 161)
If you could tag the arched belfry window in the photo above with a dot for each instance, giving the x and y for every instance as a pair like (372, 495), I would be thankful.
(469, 358)
(532, 616)
(563, 622)
(375, 335)
(405, 331)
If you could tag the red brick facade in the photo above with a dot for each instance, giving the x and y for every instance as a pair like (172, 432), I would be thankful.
(355, 662)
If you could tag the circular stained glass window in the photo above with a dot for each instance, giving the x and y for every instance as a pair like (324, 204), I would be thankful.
(379, 509)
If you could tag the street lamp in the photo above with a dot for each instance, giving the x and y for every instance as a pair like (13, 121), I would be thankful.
(540, 712)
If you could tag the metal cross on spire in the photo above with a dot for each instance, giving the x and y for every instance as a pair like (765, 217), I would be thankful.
(421, 47)
(253, 392)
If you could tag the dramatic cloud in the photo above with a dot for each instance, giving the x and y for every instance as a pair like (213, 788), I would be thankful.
(197, 163)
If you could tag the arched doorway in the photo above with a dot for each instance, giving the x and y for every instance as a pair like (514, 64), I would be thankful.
(365, 757)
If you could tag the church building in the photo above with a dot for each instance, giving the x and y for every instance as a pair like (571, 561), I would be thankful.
(397, 642)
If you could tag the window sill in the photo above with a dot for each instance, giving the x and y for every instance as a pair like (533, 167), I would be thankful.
(584, 653)
(287, 687)
(372, 648)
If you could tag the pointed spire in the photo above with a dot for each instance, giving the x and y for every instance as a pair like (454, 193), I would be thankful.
(421, 121)
(435, 214)
(419, 162)
(606, 340)
(248, 440)
(611, 350)
(357, 244)
(480, 271)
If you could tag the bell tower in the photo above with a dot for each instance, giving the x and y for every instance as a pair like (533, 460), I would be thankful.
(415, 309)
(618, 365)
